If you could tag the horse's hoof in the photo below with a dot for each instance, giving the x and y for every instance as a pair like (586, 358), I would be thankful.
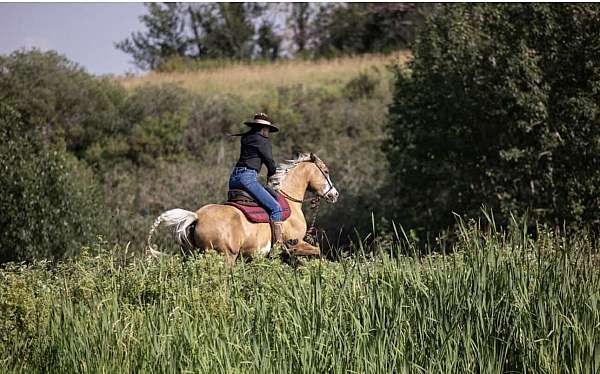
(291, 242)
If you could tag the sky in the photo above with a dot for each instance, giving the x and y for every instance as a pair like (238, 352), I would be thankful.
(84, 32)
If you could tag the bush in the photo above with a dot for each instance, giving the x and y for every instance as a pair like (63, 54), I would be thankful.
(96, 118)
(57, 97)
(362, 86)
(500, 107)
(154, 118)
(49, 201)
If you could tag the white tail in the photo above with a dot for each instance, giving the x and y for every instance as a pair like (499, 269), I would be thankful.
(180, 218)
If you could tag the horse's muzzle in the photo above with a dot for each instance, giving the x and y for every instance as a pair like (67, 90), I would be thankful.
(332, 196)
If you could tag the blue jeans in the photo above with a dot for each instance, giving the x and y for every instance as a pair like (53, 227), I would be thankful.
(245, 179)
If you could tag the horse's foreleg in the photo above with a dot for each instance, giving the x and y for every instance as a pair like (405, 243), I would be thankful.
(302, 248)
(230, 257)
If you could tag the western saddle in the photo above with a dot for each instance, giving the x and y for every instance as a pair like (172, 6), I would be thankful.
(241, 197)
(244, 198)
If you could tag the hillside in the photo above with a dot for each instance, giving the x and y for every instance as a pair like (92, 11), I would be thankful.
(335, 108)
(254, 79)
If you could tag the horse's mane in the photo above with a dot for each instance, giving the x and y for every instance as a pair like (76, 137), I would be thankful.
(281, 173)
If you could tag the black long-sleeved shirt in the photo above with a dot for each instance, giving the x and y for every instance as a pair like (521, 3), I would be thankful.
(256, 150)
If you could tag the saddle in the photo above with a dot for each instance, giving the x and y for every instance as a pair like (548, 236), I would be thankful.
(241, 197)
(243, 201)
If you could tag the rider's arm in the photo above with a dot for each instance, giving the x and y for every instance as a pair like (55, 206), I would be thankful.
(266, 155)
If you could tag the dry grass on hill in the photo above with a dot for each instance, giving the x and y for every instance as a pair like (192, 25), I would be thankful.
(255, 79)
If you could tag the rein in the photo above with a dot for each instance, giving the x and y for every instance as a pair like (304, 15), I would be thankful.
(291, 198)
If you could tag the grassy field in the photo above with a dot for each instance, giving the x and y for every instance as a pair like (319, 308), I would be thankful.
(501, 303)
(257, 79)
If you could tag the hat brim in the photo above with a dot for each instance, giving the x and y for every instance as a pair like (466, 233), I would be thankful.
(271, 127)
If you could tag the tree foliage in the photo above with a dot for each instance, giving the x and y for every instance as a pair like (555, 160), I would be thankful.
(50, 202)
(195, 31)
(57, 98)
(268, 42)
(299, 20)
(245, 31)
(95, 118)
(227, 29)
(500, 107)
(165, 36)
(356, 28)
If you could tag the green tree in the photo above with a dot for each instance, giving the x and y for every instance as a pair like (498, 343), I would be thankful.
(158, 116)
(155, 118)
(95, 118)
(225, 29)
(268, 41)
(356, 28)
(166, 36)
(50, 202)
(299, 20)
(500, 107)
(59, 99)
(193, 31)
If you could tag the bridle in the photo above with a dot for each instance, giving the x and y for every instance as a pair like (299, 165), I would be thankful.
(314, 200)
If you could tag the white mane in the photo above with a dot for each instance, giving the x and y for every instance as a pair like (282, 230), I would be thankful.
(277, 179)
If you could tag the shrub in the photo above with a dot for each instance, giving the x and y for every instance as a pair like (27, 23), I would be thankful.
(57, 97)
(154, 118)
(363, 85)
(500, 107)
(49, 201)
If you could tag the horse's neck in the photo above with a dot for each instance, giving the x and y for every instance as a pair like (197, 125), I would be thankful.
(296, 182)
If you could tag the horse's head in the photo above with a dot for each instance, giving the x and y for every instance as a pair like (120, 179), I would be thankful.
(319, 180)
(306, 171)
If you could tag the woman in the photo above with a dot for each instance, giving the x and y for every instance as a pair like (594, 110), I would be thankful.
(256, 151)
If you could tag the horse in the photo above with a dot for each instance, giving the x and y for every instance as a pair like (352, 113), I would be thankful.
(226, 229)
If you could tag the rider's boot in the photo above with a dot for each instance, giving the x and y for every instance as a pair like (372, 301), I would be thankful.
(277, 237)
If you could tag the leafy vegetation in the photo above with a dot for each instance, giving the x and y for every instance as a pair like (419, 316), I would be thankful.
(50, 202)
(185, 36)
(500, 107)
(358, 28)
(59, 99)
(501, 303)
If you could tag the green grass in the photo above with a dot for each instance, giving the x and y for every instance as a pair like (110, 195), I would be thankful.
(500, 303)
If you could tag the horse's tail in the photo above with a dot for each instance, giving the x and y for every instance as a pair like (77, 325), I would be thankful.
(182, 220)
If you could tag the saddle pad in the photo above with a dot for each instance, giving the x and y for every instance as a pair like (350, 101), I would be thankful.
(258, 214)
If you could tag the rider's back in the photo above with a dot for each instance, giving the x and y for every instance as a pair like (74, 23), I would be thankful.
(256, 150)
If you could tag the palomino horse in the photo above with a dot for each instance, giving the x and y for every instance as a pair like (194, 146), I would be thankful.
(225, 229)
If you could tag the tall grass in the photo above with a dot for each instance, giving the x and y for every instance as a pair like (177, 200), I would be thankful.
(500, 303)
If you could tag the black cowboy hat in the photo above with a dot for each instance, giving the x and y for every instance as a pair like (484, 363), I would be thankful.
(262, 119)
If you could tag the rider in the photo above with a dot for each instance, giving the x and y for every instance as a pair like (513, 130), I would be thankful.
(256, 150)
